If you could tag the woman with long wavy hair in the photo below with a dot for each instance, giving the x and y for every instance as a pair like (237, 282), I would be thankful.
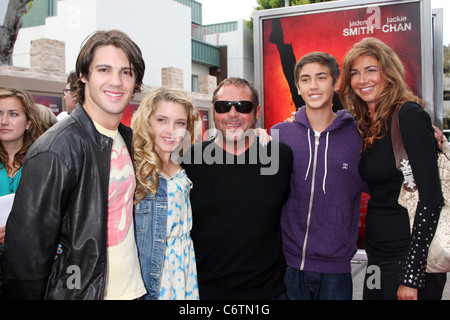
(373, 87)
(165, 118)
(19, 128)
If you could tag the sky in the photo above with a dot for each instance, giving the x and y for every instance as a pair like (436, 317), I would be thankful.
(215, 11)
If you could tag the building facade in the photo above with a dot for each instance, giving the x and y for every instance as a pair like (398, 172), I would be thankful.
(169, 32)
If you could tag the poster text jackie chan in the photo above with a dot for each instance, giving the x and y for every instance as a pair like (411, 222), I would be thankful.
(362, 27)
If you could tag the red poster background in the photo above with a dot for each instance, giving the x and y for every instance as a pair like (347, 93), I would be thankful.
(204, 116)
(130, 109)
(52, 102)
(324, 31)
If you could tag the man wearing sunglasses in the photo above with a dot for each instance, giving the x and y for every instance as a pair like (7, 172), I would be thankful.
(236, 207)
(234, 119)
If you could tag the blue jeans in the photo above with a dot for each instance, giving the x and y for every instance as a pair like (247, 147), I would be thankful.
(306, 285)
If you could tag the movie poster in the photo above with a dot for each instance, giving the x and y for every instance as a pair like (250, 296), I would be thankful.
(130, 109)
(286, 39)
(205, 118)
(54, 103)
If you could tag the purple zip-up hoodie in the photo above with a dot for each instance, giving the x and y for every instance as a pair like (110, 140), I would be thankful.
(320, 219)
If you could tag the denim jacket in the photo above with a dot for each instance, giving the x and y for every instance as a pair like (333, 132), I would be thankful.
(150, 216)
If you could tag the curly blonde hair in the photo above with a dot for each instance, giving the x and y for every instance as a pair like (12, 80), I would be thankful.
(146, 160)
(394, 95)
(46, 117)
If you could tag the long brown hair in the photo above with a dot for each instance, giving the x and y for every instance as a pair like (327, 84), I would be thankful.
(30, 135)
(395, 94)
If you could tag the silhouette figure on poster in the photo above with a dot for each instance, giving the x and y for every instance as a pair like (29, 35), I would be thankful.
(288, 62)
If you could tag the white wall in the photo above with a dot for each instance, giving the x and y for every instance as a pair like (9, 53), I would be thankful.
(199, 69)
(161, 28)
(76, 20)
(240, 51)
(3, 7)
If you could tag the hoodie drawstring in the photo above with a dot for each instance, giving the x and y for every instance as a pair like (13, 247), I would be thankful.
(326, 165)
(310, 154)
(325, 160)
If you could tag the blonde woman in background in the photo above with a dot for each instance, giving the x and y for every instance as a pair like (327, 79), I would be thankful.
(46, 117)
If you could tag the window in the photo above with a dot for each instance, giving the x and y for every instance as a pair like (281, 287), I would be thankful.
(195, 83)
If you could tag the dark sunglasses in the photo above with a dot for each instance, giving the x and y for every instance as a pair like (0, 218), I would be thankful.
(241, 106)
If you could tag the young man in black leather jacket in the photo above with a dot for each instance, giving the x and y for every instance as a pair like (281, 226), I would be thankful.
(65, 238)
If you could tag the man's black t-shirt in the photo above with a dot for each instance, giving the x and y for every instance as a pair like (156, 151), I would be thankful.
(236, 204)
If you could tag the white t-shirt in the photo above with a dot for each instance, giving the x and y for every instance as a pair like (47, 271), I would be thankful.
(62, 115)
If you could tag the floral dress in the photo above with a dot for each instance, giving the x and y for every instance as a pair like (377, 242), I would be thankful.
(179, 274)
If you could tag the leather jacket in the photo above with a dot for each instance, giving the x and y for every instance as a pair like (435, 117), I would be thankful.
(55, 246)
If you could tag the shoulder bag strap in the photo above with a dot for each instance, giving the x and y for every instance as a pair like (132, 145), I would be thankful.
(401, 157)
(397, 141)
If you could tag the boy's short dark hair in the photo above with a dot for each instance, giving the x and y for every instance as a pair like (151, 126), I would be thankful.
(322, 58)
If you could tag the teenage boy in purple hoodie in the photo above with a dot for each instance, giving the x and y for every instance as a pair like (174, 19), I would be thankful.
(320, 219)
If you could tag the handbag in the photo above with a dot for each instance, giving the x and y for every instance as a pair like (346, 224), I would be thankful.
(438, 259)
